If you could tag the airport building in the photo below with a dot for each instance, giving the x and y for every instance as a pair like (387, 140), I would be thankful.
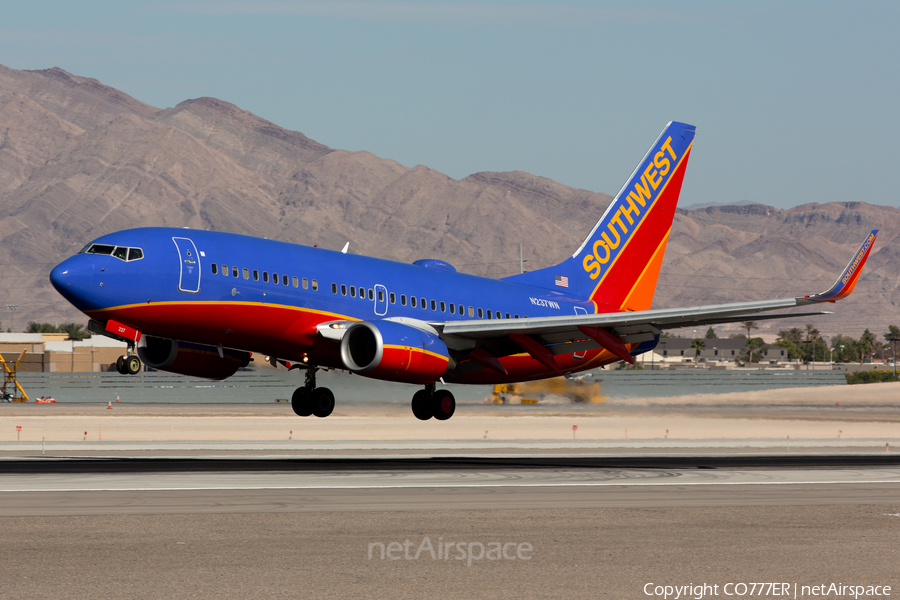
(53, 353)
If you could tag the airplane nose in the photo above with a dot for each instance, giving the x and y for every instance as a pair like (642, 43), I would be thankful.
(72, 278)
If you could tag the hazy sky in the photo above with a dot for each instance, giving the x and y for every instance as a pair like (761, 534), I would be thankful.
(794, 102)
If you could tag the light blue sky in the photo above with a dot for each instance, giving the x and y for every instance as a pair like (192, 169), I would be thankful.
(794, 102)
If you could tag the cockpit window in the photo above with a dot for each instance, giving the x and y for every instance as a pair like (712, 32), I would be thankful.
(120, 252)
(100, 249)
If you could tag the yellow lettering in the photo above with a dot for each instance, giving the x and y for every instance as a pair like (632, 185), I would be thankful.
(618, 219)
(662, 163)
(628, 211)
(605, 259)
(648, 175)
(643, 191)
(632, 196)
(590, 264)
(609, 241)
(667, 145)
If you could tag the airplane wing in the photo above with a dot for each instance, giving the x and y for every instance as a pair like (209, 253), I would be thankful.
(544, 337)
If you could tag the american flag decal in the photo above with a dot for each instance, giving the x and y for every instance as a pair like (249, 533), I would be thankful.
(562, 281)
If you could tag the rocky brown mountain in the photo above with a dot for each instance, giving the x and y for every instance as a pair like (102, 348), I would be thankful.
(79, 159)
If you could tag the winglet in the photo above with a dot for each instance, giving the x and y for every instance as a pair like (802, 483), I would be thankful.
(847, 281)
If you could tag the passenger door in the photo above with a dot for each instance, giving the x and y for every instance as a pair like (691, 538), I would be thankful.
(189, 260)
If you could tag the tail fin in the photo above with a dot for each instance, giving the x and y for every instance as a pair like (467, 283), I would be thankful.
(618, 263)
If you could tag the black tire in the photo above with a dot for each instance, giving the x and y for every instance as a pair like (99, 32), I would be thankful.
(132, 365)
(421, 405)
(443, 405)
(300, 402)
(322, 402)
(120, 365)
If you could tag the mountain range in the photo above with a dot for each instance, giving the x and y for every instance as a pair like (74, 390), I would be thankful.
(79, 159)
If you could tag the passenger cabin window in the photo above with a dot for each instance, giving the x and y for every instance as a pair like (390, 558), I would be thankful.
(296, 282)
(225, 270)
(393, 298)
(215, 268)
(334, 288)
(480, 314)
(305, 283)
(412, 301)
(433, 305)
(234, 272)
(507, 315)
(488, 314)
(255, 275)
(284, 280)
(343, 289)
(423, 303)
(137, 254)
(372, 295)
(381, 295)
(471, 312)
(443, 306)
(353, 291)
(452, 309)
(315, 285)
(246, 273)
(265, 277)
(275, 278)
(403, 299)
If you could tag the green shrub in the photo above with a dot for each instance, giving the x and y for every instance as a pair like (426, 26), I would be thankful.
(870, 377)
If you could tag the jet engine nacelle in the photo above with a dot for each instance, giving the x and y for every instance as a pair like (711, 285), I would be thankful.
(186, 358)
(394, 351)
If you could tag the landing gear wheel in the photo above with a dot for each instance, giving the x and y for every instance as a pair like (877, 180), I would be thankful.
(300, 402)
(120, 365)
(132, 365)
(443, 405)
(421, 405)
(322, 402)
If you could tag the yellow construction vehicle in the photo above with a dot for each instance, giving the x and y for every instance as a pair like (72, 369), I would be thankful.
(11, 379)
(579, 391)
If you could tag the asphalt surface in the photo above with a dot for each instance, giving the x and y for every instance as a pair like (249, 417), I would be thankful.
(597, 527)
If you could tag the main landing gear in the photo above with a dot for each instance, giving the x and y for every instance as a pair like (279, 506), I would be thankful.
(128, 364)
(310, 400)
(429, 402)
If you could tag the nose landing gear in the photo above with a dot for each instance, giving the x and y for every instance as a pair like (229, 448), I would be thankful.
(310, 400)
(429, 402)
(128, 364)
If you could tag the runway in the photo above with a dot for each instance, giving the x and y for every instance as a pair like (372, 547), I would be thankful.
(230, 502)
(189, 486)
(597, 527)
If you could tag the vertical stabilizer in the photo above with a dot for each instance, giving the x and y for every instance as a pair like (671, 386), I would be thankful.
(618, 264)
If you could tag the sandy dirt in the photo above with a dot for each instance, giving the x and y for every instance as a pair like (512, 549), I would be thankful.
(865, 412)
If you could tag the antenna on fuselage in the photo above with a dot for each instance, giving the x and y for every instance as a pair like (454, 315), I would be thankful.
(347, 245)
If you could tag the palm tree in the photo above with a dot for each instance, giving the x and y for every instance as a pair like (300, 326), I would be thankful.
(698, 345)
(866, 345)
(75, 330)
(748, 325)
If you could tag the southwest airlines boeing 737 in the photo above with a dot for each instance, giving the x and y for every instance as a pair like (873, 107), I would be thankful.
(200, 302)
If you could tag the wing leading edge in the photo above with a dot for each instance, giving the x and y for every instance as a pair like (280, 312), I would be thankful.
(612, 331)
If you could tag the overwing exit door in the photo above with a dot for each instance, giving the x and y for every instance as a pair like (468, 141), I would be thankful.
(189, 259)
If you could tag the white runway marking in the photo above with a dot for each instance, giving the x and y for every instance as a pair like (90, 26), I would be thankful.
(446, 485)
